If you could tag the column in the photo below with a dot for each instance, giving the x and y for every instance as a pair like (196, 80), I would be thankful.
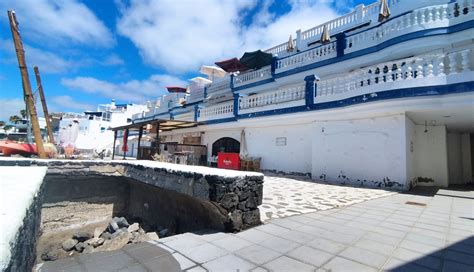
(310, 89)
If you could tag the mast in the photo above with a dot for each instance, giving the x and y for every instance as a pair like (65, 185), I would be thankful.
(43, 103)
(20, 53)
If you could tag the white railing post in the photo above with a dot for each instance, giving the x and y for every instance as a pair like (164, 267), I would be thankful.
(465, 60)
(359, 11)
(452, 63)
(298, 40)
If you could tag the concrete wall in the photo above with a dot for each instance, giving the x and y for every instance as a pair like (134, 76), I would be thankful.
(454, 158)
(466, 157)
(410, 142)
(431, 155)
(369, 152)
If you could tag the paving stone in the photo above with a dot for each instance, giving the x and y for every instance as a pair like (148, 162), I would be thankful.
(184, 242)
(458, 267)
(228, 263)
(254, 236)
(425, 240)
(111, 263)
(340, 237)
(428, 261)
(231, 243)
(390, 240)
(310, 255)
(184, 262)
(259, 269)
(397, 265)
(375, 246)
(327, 245)
(284, 263)
(459, 257)
(279, 244)
(197, 269)
(134, 268)
(257, 254)
(366, 257)
(163, 263)
(297, 236)
(419, 247)
(146, 252)
(342, 264)
(203, 253)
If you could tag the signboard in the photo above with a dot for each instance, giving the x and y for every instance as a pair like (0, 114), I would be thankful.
(228, 161)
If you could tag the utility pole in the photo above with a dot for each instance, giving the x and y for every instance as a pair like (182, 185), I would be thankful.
(20, 53)
(45, 107)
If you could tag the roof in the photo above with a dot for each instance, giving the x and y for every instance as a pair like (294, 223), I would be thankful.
(164, 124)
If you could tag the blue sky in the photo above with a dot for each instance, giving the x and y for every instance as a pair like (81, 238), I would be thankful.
(89, 52)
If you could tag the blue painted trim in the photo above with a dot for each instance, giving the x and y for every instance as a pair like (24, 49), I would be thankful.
(309, 90)
(205, 92)
(383, 45)
(196, 110)
(254, 84)
(236, 104)
(361, 99)
(232, 82)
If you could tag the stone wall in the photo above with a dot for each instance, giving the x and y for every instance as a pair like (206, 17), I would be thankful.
(237, 194)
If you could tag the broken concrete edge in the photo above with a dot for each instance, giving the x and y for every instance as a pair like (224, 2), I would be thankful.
(238, 193)
(20, 214)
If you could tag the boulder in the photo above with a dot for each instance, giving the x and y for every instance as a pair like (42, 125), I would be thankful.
(88, 249)
(80, 246)
(98, 231)
(121, 222)
(152, 236)
(50, 254)
(251, 218)
(81, 236)
(229, 201)
(106, 235)
(95, 242)
(118, 242)
(113, 227)
(69, 244)
(133, 227)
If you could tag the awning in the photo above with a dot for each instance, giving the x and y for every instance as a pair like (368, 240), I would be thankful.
(231, 65)
(164, 124)
(256, 59)
(174, 89)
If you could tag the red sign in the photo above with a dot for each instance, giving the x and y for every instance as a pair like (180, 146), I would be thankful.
(228, 160)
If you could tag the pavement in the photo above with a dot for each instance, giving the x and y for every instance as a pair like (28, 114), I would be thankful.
(427, 230)
(285, 196)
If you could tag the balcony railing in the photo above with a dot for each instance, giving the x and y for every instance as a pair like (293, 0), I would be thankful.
(217, 111)
(423, 18)
(185, 116)
(273, 99)
(253, 76)
(425, 70)
(310, 56)
(219, 85)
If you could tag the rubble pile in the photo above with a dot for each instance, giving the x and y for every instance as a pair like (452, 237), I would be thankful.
(114, 236)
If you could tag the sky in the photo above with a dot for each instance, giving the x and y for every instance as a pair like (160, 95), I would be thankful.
(89, 52)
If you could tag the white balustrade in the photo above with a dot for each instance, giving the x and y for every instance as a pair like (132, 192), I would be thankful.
(419, 19)
(416, 71)
(186, 116)
(293, 93)
(217, 111)
(253, 76)
(310, 56)
(219, 85)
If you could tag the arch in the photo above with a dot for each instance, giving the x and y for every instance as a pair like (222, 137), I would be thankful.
(225, 144)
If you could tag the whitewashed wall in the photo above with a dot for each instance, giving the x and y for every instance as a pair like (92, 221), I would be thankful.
(454, 158)
(410, 132)
(371, 152)
(466, 157)
(291, 152)
(431, 154)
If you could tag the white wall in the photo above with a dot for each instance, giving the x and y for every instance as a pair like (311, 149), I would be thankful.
(410, 132)
(366, 151)
(454, 158)
(431, 155)
(466, 158)
(294, 156)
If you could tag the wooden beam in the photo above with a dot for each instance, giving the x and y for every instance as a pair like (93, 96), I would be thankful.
(115, 141)
(43, 103)
(30, 103)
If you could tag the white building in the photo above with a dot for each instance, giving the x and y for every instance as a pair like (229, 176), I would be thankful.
(94, 126)
(385, 103)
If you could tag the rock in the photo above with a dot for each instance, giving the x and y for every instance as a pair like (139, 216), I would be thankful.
(235, 221)
(229, 201)
(98, 231)
(69, 244)
(113, 227)
(118, 242)
(80, 246)
(95, 242)
(50, 254)
(163, 233)
(88, 249)
(133, 227)
(141, 231)
(152, 235)
(81, 236)
(106, 235)
(121, 222)
(251, 218)
(251, 202)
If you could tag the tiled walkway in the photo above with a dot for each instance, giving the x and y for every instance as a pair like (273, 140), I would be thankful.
(284, 196)
(401, 232)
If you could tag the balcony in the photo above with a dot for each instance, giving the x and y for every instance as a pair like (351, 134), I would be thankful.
(217, 111)
(253, 76)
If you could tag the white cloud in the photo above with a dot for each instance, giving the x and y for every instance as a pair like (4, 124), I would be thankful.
(52, 63)
(180, 36)
(59, 20)
(137, 91)
(67, 103)
(9, 107)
